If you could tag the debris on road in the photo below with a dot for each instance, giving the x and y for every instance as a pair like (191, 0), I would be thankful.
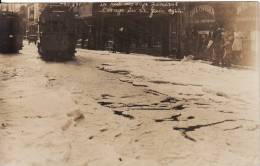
(76, 115)
(67, 125)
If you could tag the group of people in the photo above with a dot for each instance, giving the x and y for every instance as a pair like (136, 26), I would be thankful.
(225, 46)
(222, 46)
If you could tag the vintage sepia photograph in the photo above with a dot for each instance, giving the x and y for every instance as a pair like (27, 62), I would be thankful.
(129, 83)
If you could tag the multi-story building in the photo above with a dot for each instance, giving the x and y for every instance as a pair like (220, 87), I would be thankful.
(85, 22)
(247, 21)
(152, 28)
(33, 12)
(10, 7)
(161, 28)
(171, 29)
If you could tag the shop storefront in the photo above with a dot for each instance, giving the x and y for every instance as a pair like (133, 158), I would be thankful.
(201, 20)
(151, 28)
(85, 28)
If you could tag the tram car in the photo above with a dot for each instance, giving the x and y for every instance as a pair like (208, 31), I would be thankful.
(11, 32)
(57, 33)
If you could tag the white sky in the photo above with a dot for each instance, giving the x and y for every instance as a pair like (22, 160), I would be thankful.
(36, 1)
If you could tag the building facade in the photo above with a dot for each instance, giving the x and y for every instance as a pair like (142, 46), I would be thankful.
(10, 7)
(151, 28)
(247, 21)
(33, 12)
(171, 29)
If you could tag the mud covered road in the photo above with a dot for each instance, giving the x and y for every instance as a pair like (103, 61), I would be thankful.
(115, 109)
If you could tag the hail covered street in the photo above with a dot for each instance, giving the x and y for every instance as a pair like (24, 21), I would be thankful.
(105, 109)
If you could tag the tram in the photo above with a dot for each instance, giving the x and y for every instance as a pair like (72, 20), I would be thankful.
(11, 32)
(57, 33)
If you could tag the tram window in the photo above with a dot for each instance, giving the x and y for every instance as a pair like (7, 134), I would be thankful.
(12, 26)
(2, 26)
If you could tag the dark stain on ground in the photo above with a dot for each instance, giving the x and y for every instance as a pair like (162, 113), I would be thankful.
(137, 105)
(190, 117)
(2, 100)
(179, 107)
(174, 83)
(121, 113)
(139, 85)
(118, 135)
(222, 94)
(32, 117)
(4, 125)
(122, 72)
(185, 130)
(197, 103)
(150, 91)
(105, 103)
(103, 130)
(238, 127)
(104, 96)
(165, 104)
(169, 100)
(227, 112)
(106, 64)
(160, 82)
(172, 118)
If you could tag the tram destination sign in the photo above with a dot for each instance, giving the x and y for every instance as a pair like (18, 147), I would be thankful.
(144, 8)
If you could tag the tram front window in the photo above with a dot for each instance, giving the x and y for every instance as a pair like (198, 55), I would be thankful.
(8, 26)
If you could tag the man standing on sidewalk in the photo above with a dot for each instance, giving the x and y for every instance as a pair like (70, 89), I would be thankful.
(228, 41)
(218, 45)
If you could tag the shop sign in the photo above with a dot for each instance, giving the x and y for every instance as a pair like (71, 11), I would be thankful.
(149, 8)
(203, 8)
(202, 14)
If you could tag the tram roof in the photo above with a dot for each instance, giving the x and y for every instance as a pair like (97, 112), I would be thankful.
(7, 13)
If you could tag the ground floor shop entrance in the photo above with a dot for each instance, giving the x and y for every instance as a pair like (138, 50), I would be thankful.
(159, 35)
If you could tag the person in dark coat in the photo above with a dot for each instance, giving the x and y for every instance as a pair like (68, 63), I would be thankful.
(218, 45)
(202, 44)
(195, 41)
(123, 40)
(228, 41)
